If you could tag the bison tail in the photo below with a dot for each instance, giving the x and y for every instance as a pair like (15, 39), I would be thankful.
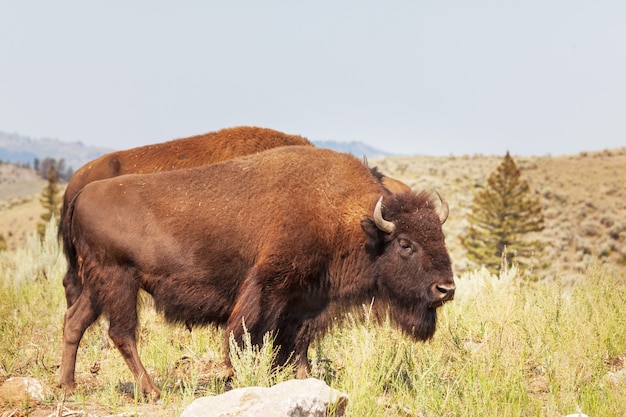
(72, 282)
(64, 225)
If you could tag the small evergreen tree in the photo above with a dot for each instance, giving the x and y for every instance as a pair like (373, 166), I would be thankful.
(50, 199)
(68, 174)
(3, 243)
(502, 213)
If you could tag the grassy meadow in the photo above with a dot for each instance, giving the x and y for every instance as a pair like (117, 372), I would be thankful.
(506, 346)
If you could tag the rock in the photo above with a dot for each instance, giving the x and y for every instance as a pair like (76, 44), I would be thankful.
(616, 378)
(294, 398)
(19, 391)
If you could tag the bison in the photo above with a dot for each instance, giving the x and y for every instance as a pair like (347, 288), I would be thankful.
(167, 156)
(286, 240)
(176, 154)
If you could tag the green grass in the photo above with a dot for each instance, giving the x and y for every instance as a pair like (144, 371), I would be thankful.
(504, 347)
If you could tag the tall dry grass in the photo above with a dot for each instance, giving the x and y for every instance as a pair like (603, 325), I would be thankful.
(504, 347)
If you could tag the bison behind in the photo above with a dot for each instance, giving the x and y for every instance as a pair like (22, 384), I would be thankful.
(176, 154)
(173, 155)
(285, 239)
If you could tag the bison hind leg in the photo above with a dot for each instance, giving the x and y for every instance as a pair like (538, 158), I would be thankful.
(127, 345)
(121, 308)
(73, 286)
(78, 317)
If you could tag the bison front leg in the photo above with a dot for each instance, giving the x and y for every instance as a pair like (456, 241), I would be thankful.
(303, 369)
(246, 315)
(307, 331)
(289, 353)
(301, 351)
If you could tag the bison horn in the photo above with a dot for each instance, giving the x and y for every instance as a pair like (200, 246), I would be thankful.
(384, 225)
(444, 207)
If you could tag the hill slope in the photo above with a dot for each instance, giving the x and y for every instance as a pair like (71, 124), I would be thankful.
(583, 197)
(20, 209)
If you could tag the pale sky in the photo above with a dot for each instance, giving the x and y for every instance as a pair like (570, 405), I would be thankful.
(534, 77)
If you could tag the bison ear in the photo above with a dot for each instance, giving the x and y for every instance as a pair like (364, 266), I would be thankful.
(369, 227)
(375, 237)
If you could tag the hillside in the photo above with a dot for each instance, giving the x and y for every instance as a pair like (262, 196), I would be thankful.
(584, 200)
(19, 203)
(583, 197)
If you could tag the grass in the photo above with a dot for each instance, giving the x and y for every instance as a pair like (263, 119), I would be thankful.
(504, 347)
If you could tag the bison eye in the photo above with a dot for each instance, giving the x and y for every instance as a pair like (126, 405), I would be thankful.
(405, 244)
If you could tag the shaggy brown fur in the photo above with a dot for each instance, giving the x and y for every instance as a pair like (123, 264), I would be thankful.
(167, 156)
(283, 239)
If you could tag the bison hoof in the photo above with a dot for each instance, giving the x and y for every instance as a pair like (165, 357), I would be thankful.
(153, 396)
(68, 388)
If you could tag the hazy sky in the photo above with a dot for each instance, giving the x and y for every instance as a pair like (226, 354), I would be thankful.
(433, 77)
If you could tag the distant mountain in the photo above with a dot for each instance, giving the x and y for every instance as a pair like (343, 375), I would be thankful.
(358, 149)
(20, 149)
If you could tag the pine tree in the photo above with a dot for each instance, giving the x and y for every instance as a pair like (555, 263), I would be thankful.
(502, 213)
(50, 199)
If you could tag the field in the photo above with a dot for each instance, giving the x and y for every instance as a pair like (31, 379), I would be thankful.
(19, 204)
(506, 346)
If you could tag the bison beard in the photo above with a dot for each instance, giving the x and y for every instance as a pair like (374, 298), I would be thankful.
(285, 239)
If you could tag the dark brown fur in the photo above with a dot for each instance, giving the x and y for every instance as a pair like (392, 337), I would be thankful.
(283, 239)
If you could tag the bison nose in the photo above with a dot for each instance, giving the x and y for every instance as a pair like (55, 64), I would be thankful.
(444, 292)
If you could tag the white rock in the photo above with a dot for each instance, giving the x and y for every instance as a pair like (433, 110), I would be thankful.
(294, 398)
(616, 378)
(18, 390)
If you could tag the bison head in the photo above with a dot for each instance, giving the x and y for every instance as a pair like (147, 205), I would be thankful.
(411, 266)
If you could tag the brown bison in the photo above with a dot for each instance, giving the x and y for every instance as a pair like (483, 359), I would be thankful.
(180, 154)
(169, 156)
(176, 154)
(285, 239)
